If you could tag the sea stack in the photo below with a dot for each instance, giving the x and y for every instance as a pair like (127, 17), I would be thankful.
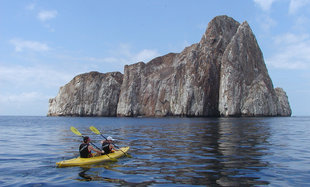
(222, 75)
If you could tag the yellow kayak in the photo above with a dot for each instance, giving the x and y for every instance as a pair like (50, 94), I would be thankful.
(93, 160)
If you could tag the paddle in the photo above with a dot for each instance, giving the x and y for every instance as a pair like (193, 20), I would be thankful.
(75, 131)
(96, 131)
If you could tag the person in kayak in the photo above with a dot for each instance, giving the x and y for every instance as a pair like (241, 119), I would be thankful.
(85, 149)
(107, 145)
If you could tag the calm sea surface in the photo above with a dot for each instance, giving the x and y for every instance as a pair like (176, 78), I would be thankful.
(165, 151)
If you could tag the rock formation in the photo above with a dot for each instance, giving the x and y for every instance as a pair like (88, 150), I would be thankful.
(184, 84)
(224, 74)
(246, 88)
(89, 94)
(283, 105)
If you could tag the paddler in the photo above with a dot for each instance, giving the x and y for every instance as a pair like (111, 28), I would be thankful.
(107, 145)
(85, 149)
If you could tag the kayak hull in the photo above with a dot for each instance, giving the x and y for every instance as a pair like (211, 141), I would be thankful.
(93, 160)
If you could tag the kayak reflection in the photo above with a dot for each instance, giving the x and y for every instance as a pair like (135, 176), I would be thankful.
(87, 175)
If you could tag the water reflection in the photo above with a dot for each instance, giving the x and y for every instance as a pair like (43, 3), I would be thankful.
(241, 146)
(87, 174)
(225, 152)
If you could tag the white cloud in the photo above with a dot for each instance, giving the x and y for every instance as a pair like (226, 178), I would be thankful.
(24, 103)
(264, 4)
(45, 15)
(26, 90)
(114, 60)
(54, 76)
(287, 61)
(295, 5)
(145, 55)
(21, 45)
(22, 97)
(290, 39)
(293, 52)
(125, 54)
(34, 76)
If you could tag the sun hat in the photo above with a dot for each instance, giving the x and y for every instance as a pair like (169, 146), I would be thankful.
(110, 138)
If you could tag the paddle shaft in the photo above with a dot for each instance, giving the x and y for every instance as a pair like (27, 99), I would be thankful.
(95, 146)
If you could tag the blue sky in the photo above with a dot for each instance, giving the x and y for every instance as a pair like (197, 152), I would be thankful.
(44, 44)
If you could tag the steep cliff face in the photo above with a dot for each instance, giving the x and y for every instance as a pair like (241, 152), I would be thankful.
(183, 84)
(89, 94)
(222, 75)
(246, 88)
(283, 105)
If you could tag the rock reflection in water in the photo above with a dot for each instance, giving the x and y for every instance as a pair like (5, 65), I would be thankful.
(222, 151)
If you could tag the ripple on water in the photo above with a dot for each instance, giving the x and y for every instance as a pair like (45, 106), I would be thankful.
(170, 151)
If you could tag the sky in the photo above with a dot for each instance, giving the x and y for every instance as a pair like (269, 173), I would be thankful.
(45, 44)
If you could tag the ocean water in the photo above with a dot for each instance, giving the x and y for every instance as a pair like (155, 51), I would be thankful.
(165, 151)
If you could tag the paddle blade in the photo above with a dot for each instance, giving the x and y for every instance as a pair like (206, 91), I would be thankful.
(75, 131)
(94, 129)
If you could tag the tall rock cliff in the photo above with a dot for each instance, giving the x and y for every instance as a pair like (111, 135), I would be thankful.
(246, 88)
(89, 94)
(184, 84)
(224, 74)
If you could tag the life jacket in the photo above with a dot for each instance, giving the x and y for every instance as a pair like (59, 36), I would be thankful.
(84, 152)
(106, 147)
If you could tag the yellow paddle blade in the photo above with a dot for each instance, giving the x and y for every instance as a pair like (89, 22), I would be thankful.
(94, 129)
(75, 131)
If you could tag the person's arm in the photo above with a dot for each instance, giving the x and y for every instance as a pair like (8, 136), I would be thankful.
(112, 148)
(94, 149)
